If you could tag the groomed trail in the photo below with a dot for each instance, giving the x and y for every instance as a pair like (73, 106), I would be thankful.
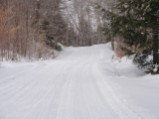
(75, 85)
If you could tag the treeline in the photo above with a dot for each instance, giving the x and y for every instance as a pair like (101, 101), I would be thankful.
(134, 25)
(35, 29)
(22, 33)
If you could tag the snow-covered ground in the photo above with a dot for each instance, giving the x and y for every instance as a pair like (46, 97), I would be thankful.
(81, 83)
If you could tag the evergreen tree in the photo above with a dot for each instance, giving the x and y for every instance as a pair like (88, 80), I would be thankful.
(136, 21)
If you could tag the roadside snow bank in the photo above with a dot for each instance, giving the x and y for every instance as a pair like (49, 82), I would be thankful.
(137, 90)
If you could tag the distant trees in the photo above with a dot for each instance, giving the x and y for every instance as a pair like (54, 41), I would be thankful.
(33, 29)
(137, 22)
(52, 24)
(30, 28)
(7, 30)
(84, 22)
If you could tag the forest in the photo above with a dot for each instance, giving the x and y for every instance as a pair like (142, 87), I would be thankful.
(35, 29)
(38, 29)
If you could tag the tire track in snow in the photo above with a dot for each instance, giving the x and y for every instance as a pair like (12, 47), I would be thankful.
(24, 86)
(96, 106)
(8, 79)
(122, 109)
(67, 94)
(50, 96)
(75, 88)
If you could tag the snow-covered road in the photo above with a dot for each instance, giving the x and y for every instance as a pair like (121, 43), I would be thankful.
(76, 85)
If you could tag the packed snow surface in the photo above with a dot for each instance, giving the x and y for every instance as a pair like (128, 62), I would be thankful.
(81, 83)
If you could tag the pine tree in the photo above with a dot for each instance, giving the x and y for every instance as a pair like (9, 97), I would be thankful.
(136, 21)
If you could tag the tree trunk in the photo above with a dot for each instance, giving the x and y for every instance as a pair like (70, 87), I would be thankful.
(112, 44)
(155, 51)
(155, 46)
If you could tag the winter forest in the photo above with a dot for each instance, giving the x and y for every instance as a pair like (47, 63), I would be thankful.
(33, 28)
(79, 59)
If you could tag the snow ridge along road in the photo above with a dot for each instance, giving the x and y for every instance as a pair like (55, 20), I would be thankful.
(73, 86)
